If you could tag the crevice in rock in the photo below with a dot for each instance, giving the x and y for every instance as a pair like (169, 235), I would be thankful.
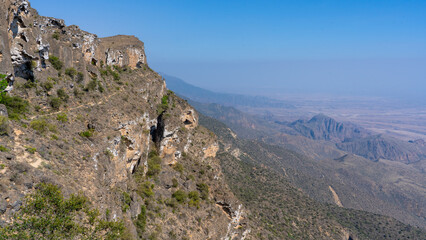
(16, 25)
(94, 61)
(157, 132)
(226, 208)
(22, 65)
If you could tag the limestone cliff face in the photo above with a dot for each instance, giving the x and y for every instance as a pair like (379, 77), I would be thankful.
(98, 119)
(28, 39)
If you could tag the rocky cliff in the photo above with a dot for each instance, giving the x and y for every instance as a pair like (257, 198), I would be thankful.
(350, 138)
(87, 114)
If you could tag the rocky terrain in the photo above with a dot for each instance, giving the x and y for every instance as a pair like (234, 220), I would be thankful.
(320, 168)
(94, 146)
(351, 138)
(279, 186)
(88, 115)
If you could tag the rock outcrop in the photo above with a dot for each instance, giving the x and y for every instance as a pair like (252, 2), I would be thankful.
(94, 118)
(353, 139)
(27, 40)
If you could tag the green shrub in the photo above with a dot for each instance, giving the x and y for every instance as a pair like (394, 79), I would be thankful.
(55, 103)
(145, 189)
(62, 95)
(30, 149)
(62, 117)
(164, 105)
(30, 84)
(56, 35)
(3, 85)
(118, 68)
(16, 106)
(114, 74)
(154, 166)
(40, 125)
(104, 73)
(47, 86)
(100, 87)
(204, 190)
(77, 93)
(194, 199)
(125, 201)
(175, 183)
(140, 222)
(56, 63)
(180, 196)
(4, 125)
(88, 133)
(46, 214)
(71, 72)
(178, 167)
(108, 153)
(4, 149)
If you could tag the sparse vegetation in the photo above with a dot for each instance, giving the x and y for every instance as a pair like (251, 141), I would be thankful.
(4, 149)
(114, 74)
(164, 105)
(88, 133)
(55, 103)
(140, 222)
(30, 84)
(178, 167)
(56, 63)
(80, 77)
(46, 214)
(54, 137)
(3, 85)
(125, 201)
(62, 95)
(194, 199)
(145, 189)
(16, 106)
(204, 190)
(180, 196)
(31, 150)
(62, 117)
(41, 126)
(175, 183)
(56, 35)
(91, 86)
(4, 125)
(108, 153)
(47, 86)
(71, 72)
(154, 164)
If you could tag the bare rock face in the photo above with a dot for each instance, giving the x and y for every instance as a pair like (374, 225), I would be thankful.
(100, 121)
(30, 39)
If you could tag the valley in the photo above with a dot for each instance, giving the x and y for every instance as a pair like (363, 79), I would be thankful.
(399, 120)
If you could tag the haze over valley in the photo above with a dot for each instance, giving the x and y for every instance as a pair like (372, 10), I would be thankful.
(227, 120)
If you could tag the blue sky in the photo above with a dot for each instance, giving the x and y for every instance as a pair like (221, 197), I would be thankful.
(264, 47)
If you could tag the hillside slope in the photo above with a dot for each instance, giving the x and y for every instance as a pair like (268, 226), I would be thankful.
(86, 115)
(275, 183)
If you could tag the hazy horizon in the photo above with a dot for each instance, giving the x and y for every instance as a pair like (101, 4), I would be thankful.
(363, 48)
